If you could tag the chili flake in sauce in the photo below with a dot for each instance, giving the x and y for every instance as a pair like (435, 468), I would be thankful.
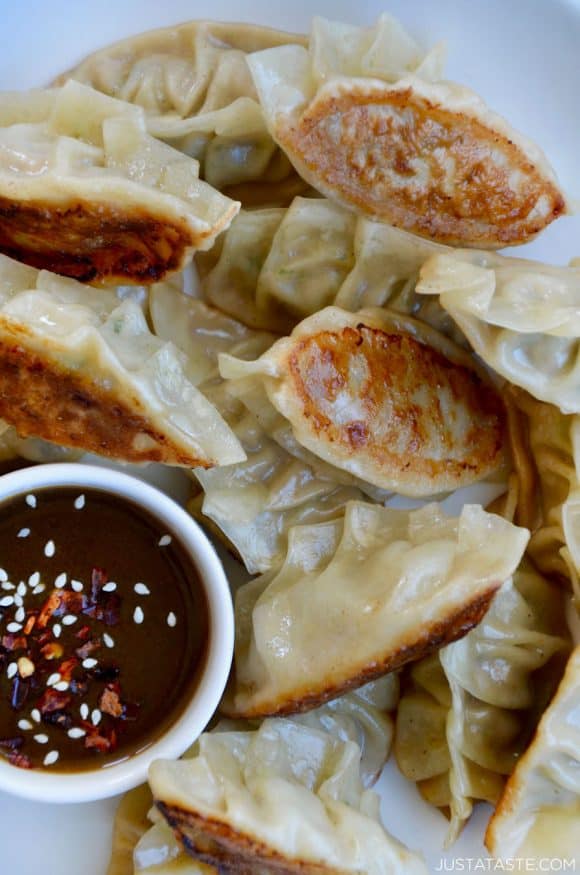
(103, 629)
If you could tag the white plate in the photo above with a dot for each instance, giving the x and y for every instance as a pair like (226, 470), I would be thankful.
(523, 57)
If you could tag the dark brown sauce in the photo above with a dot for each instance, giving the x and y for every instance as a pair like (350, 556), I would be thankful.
(138, 686)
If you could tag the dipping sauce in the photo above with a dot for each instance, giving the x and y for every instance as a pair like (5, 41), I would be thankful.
(103, 629)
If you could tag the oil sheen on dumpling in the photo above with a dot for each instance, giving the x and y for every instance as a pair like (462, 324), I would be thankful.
(539, 813)
(195, 86)
(81, 368)
(359, 118)
(361, 596)
(86, 192)
(284, 798)
(468, 711)
(521, 317)
(384, 397)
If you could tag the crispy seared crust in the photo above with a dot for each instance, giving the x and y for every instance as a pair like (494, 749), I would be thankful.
(42, 399)
(93, 242)
(399, 406)
(231, 852)
(386, 154)
(433, 637)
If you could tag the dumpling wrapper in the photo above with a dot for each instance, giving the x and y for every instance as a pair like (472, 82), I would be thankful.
(546, 455)
(359, 597)
(539, 812)
(81, 368)
(521, 317)
(283, 799)
(86, 192)
(384, 397)
(467, 712)
(271, 268)
(195, 86)
(361, 717)
(360, 120)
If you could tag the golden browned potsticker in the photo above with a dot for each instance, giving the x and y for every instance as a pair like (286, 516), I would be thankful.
(425, 156)
(361, 596)
(86, 192)
(384, 397)
(81, 368)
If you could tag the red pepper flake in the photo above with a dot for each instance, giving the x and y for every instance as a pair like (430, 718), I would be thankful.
(52, 650)
(83, 633)
(50, 606)
(87, 648)
(30, 623)
(19, 759)
(53, 700)
(67, 667)
(99, 578)
(110, 702)
(98, 743)
(14, 642)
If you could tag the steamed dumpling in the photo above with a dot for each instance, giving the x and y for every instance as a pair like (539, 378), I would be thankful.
(547, 462)
(285, 797)
(358, 597)
(81, 368)
(86, 192)
(521, 317)
(195, 86)
(271, 268)
(383, 397)
(539, 812)
(360, 120)
(467, 712)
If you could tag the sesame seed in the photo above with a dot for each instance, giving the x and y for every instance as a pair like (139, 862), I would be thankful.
(79, 502)
(14, 627)
(69, 619)
(84, 710)
(38, 589)
(26, 667)
(76, 585)
(96, 717)
(50, 758)
(11, 670)
(20, 615)
(110, 586)
(7, 586)
(61, 686)
(52, 679)
(49, 549)
(76, 732)
(171, 619)
(3, 575)
(60, 580)
(18, 600)
(56, 630)
(108, 641)
(31, 500)
(21, 588)
(41, 738)
(35, 714)
(34, 579)
(23, 533)
(89, 663)
(6, 601)
(138, 615)
(141, 589)
(165, 540)
(24, 724)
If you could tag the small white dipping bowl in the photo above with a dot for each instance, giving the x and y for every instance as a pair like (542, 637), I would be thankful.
(45, 785)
